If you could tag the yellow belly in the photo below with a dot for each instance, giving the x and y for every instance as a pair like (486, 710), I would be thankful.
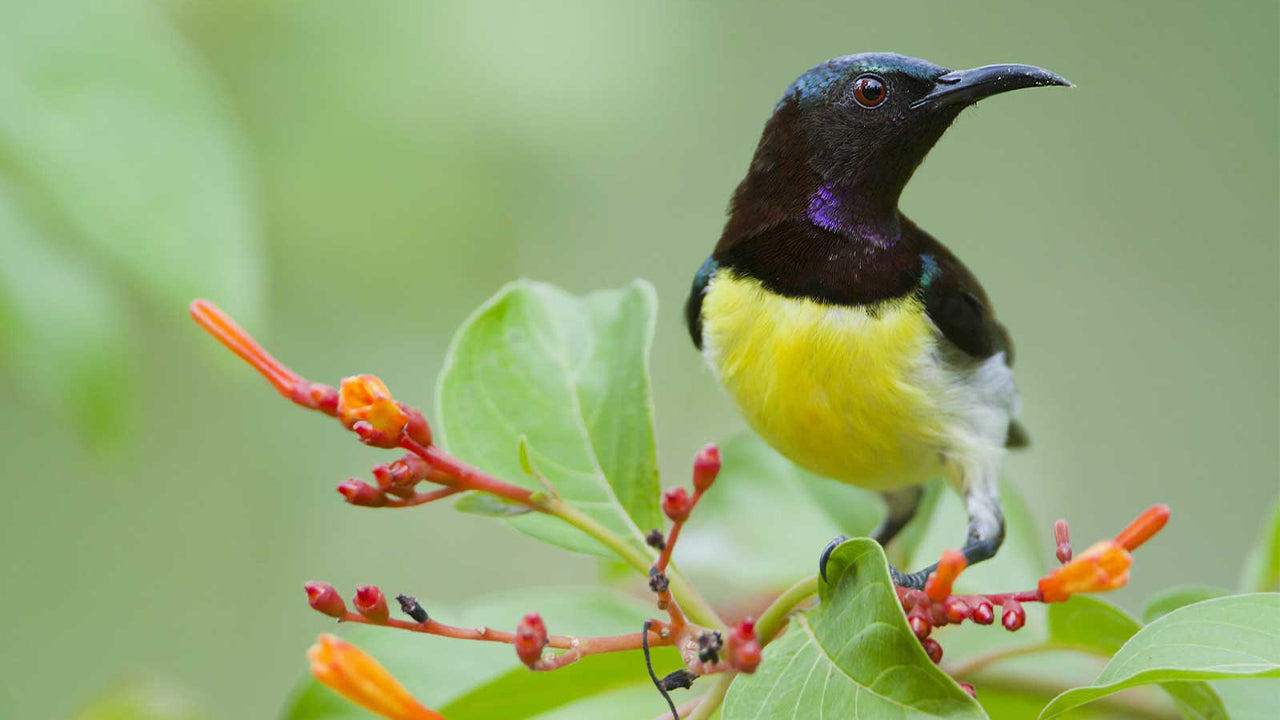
(839, 391)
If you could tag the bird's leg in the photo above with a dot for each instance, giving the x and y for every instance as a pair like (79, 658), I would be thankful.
(986, 532)
(901, 505)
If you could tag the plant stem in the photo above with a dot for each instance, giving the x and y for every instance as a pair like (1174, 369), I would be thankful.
(981, 662)
(711, 700)
(694, 605)
(771, 620)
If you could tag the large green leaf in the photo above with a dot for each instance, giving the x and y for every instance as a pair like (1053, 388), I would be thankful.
(571, 376)
(61, 327)
(111, 119)
(464, 679)
(1262, 567)
(1166, 601)
(1093, 625)
(852, 657)
(1233, 637)
(758, 488)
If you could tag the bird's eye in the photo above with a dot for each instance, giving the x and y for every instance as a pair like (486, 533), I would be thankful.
(869, 91)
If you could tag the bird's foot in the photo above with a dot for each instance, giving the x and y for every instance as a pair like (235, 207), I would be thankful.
(913, 581)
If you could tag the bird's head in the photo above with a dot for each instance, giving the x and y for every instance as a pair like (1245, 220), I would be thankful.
(876, 115)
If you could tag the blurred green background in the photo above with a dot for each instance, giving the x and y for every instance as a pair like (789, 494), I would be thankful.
(351, 179)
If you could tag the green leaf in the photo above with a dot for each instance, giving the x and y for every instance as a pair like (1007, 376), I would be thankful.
(1093, 625)
(1166, 601)
(1262, 567)
(1232, 637)
(144, 699)
(758, 488)
(63, 329)
(113, 122)
(460, 678)
(571, 375)
(477, 503)
(853, 657)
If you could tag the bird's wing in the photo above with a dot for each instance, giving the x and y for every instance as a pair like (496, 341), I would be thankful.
(957, 304)
(693, 306)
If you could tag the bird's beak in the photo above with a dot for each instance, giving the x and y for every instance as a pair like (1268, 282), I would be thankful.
(969, 86)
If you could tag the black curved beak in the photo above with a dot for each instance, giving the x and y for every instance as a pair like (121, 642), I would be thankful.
(969, 86)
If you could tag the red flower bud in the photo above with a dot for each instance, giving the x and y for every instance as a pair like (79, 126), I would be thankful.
(934, 650)
(913, 598)
(531, 638)
(920, 626)
(371, 603)
(983, 614)
(325, 599)
(746, 657)
(957, 610)
(361, 493)
(677, 504)
(742, 648)
(1014, 616)
(417, 428)
(706, 466)
(968, 687)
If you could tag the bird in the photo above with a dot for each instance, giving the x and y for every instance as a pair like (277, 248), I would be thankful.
(852, 341)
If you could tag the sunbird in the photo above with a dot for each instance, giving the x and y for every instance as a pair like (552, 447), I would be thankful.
(853, 342)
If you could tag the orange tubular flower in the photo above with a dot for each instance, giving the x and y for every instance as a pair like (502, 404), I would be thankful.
(1105, 566)
(351, 673)
(365, 399)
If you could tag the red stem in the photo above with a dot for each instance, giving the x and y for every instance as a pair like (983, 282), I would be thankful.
(585, 645)
(468, 477)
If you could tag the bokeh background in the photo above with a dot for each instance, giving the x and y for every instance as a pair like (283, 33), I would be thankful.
(353, 178)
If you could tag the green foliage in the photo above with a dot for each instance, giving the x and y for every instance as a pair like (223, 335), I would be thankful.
(568, 379)
(1262, 568)
(1093, 625)
(120, 163)
(551, 391)
(1166, 601)
(852, 657)
(1232, 637)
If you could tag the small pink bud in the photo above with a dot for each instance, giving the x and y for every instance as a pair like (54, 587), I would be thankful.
(957, 610)
(938, 614)
(531, 638)
(323, 598)
(1014, 616)
(361, 493)
(706, 466)
(933, 649)
(371, 603)
(913, 598)
(920, 626)
(968, 687)
(983, 614)
(677, 504)
(1062, 536)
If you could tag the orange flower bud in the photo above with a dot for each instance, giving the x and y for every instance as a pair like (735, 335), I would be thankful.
(1144, 527)
(938, 586)
(351, 673)
(1105, 566)
(365, 399)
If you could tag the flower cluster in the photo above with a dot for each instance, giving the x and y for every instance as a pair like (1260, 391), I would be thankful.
(1103, 567)
(365, 406)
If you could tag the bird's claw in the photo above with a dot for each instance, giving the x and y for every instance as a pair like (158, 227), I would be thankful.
(826, 554)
